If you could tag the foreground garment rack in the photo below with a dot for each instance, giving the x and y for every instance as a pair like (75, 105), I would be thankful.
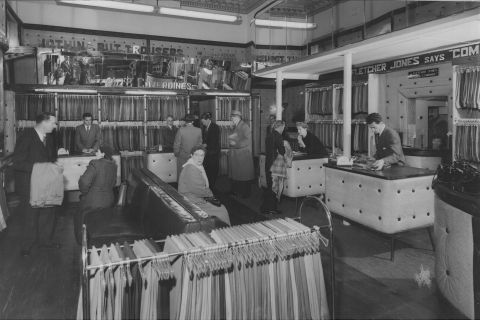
(218, 250)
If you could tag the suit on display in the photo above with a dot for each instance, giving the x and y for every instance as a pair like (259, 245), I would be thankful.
(389, 147)
(87, 139)
(186, 138)
(211, 137)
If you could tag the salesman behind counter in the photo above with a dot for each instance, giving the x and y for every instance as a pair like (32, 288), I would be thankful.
(387, 141)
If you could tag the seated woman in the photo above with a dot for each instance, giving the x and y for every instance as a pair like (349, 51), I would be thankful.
(96, 186)
(193, 184)
(308, 142)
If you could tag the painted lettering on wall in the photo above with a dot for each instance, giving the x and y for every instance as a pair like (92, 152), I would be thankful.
(468, 51)
(419, 60)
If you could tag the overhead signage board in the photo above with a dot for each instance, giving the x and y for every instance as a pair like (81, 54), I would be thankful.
(420, 60)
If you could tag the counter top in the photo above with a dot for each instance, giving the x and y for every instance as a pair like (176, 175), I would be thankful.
(391, 173)
(425, 153)
(304, 156)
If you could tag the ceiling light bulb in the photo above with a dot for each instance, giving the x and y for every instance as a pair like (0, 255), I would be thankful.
(109, 4)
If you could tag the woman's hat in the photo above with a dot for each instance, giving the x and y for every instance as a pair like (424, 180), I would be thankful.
(236, 113)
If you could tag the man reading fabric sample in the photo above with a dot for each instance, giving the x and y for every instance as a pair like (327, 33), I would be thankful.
(88, 136)
(387, 141)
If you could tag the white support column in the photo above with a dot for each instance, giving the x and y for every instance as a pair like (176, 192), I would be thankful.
(347, 105)
(278, 96)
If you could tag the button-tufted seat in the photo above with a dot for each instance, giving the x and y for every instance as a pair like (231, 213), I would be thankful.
(306, 177)
(164, 165)
(388, 206)
(457, 254)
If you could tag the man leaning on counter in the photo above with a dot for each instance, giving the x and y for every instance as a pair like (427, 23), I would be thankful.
(387, 142)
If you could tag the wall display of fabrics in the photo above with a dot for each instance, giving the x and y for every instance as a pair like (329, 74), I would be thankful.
(328, 133)
(122, 108)
(66, 138)
(156, 135)
(72, 107)
(467, 86)
(28, 106)
(359, 137)
(467, 141)
(130, 163)
(158, 107)
(225, 131)
(227, 104)
(319, 101)
(124, 138)
(359, 99)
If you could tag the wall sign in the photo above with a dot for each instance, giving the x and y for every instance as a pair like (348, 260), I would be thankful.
(420, 60)
(425, 73)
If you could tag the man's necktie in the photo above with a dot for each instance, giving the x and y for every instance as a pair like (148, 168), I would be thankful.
(44, 141)
(88, 129)
(376, 138)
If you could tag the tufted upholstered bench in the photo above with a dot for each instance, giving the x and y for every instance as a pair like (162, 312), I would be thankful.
(161, 210)
(164, 165)
(394, 200)
(306, 177)
(457, 255)
(75, 166)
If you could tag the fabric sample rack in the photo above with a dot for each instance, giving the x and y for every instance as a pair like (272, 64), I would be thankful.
(266, 270)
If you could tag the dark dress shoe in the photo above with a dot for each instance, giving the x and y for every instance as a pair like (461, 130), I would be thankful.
(25, 252)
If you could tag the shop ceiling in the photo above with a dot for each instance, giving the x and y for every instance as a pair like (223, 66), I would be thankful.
(444, 33)
(286, 8)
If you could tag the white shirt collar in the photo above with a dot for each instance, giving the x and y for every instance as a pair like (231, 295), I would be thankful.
(42, 136)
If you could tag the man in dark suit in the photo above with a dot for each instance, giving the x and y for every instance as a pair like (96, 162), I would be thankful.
(88, 136)
(35, 145)
(211, 139)
(387, 141)
(169, 135)
(273, 147)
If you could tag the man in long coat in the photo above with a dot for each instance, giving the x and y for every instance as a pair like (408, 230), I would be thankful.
(240, 159)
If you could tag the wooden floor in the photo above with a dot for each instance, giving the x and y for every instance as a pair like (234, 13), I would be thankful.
(45, 285)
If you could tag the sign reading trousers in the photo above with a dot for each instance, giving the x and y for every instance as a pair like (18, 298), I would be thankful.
(420, 60)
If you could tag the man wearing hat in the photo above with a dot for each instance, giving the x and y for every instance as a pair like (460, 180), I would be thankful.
(387, 142)
(211, 138)
(186, 138)
(240, 160)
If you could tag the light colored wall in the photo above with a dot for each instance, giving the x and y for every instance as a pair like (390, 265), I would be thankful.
(345, 15)
(49, 13)
(351, 14)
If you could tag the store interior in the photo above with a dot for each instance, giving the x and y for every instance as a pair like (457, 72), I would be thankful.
(344, 241)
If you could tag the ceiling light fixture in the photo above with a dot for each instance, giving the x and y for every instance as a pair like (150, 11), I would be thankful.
(198, 14)
(285, 24)
(109, 4)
